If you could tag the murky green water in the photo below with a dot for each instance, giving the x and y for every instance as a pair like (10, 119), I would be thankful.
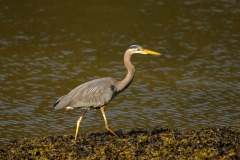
(49, 48)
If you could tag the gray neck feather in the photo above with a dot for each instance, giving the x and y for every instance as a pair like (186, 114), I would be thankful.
(130, 75)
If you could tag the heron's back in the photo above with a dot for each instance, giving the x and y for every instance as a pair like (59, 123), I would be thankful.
(91, 94)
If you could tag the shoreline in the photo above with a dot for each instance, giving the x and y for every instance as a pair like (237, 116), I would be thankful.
(159, 143)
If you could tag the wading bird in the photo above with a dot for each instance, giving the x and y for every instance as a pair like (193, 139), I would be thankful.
(96, 94)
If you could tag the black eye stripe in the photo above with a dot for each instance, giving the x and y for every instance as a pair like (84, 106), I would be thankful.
(134, 46)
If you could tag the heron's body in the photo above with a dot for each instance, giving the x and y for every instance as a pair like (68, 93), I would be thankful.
(96, 94)
(90, 95)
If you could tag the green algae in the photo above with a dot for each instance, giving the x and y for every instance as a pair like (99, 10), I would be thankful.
(208, 143)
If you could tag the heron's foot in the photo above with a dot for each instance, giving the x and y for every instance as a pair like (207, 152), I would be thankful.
(75, 137)
(108, 128)
(106, 123)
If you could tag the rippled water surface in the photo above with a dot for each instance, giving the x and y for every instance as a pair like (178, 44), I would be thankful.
(47, 49)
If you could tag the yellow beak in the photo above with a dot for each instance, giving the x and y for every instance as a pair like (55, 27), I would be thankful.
(146, 51)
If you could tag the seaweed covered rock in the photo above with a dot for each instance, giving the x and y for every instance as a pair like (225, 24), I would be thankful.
(207, 143)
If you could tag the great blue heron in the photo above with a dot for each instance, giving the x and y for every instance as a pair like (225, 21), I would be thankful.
(96, 94)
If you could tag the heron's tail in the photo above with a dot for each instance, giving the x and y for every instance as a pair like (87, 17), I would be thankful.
(61, 102)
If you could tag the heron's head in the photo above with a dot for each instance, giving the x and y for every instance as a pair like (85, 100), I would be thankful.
(141, 50)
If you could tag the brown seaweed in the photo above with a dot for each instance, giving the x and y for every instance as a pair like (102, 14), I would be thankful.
(159, 143)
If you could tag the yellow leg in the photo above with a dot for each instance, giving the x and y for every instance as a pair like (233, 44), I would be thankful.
(106, 124)
(78, 123)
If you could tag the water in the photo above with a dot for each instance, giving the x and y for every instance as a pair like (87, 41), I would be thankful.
(47, 49)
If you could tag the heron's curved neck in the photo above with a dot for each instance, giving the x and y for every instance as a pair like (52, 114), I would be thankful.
(131, 72)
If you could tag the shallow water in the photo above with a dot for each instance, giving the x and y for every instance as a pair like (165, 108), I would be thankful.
(47, 49)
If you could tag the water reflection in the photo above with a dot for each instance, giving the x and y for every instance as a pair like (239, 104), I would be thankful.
(48, 49)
